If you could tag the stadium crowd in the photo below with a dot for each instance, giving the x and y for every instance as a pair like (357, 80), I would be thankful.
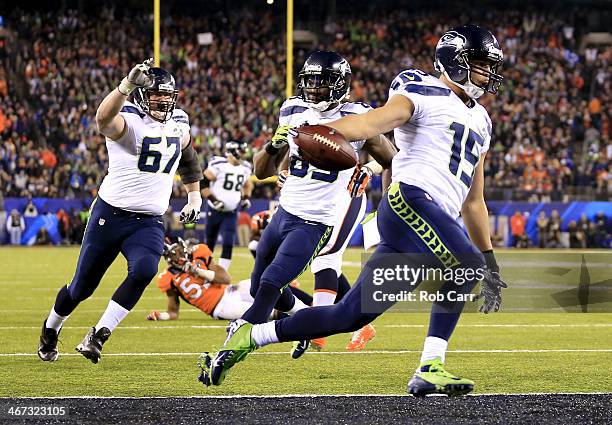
(551, 123)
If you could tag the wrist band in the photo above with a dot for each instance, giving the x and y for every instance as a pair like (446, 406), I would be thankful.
(271, 150)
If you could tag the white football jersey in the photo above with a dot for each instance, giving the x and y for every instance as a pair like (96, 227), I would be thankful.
(310, 193)
(230, 180)
(441, 145)
(142, 163)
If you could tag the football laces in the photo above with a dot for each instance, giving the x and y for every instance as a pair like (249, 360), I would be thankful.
(327, 142)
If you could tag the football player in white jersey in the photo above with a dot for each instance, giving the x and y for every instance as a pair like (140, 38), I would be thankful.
(442, 134)
(227, 187)
(316, 105)
(147, 142)
(310, 197)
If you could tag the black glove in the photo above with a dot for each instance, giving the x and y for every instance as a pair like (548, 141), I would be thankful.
(491, 285)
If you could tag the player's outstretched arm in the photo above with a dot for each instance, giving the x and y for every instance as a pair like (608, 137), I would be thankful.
(394, 113)
(108, 120)
(172, 312)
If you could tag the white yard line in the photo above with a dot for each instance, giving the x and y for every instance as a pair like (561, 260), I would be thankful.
(162, 327)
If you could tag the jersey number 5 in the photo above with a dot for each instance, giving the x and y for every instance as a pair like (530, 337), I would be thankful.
(463, 144)
(150, 159)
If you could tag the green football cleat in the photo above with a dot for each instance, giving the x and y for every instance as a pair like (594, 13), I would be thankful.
(432, 378)
(237, 346)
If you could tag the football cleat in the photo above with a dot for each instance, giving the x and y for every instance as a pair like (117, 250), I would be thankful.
(91, 346)
(237, 346)
(360, 338)
(299, 348)
(432, 378)
(47, 348)
(318, 343)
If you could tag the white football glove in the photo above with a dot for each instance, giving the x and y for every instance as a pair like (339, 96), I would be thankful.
(216, 205)
(191, 212)
(138, 77)
(245, 203)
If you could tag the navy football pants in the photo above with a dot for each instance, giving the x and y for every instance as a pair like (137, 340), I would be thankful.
(110, 231)
(397, 236)
(224, 223)
(285, 250)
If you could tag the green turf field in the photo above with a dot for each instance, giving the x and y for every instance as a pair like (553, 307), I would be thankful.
(512, 352)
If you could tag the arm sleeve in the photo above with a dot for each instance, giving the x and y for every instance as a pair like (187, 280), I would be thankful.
(189, 167)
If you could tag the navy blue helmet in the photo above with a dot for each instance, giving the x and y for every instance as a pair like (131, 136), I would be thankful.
(159, 108)
(459, 49)
(236, 149)
(325, 79)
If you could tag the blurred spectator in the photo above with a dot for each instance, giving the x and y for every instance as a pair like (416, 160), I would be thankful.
(542, 225)
(3, 217)
(602, 230)
(576, 236)
(42, 237)
(244, 228)
(517, 227)
(15, 226)
(63, 224)
(554, 230)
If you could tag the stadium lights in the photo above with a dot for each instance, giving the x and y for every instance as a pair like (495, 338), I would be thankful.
(270, 1)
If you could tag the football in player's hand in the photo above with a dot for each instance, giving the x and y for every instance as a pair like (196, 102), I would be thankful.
(324, 147)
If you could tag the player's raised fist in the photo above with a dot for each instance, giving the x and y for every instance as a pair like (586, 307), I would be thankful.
(138, 77)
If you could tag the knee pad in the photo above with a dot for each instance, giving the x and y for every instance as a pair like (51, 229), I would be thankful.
(144, 269)
(276, 275)
(80, 289)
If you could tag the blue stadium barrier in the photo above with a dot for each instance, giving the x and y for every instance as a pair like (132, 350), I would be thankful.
(568, 211)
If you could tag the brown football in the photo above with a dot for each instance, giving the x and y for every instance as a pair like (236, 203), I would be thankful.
(325, 148)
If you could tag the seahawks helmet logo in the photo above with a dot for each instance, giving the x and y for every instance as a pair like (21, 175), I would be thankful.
(453, 39)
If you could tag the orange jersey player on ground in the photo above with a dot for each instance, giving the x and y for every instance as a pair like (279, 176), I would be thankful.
(193, 276)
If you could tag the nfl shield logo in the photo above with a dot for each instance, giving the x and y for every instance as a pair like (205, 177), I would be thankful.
(101, 222)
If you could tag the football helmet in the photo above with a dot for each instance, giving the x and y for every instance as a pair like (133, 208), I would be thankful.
(177, 254)
(159, 99)
(456, 53)
(235, 148)
(325, 80)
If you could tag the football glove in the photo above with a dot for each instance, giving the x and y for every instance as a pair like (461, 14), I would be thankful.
(138, 77)
(245, 203)
(216, 205)
(490, 291)
(280, 136)
(282, 178)
(191, 212)
(359, 181)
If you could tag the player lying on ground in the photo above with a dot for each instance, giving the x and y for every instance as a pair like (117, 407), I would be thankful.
(193, 276)
(309, 199)
(227, 188)
(442, 134)
(147, 142)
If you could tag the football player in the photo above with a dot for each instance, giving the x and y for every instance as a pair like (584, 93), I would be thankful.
(226, 187)
(307, 212)
(443, 134)
(259, 222)
(147, 141)
(193, 276)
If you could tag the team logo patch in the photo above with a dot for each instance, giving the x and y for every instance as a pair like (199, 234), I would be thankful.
(101, 222)
(454, 39)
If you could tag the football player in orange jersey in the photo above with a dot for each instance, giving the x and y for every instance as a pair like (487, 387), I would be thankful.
(194, 277)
